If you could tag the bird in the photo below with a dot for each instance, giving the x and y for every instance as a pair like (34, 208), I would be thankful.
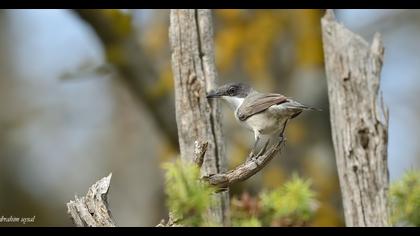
(266, 114)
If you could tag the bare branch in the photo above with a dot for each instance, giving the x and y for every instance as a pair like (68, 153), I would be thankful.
(244, 171)
(253, 164)
(92, 210)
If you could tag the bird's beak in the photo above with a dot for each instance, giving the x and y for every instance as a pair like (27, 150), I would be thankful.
(214, 94)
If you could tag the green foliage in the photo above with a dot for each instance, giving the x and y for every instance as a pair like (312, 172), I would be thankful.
(292, 204)
(187, 197)
(294, 199)
(405, 200)
(246, 222)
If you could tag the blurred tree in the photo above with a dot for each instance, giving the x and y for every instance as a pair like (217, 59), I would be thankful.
(115, 29)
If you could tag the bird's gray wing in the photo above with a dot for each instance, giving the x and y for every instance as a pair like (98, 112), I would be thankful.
(257, 103)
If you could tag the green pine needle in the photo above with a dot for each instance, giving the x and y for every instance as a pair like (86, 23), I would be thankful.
(188, 198)
(405, 200)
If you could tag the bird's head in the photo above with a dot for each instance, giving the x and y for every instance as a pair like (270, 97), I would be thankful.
(239, 90)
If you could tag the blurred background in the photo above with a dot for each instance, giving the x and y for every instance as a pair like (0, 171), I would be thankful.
(87, 92)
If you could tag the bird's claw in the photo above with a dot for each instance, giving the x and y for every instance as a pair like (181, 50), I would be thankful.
(250, 156)
(253, 157)
(263, 149)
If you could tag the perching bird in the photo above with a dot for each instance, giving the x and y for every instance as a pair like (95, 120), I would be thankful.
(265, 114)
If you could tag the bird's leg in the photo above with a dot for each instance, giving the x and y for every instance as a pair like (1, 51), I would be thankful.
(251, 154)
(263, 148)
(283, 129)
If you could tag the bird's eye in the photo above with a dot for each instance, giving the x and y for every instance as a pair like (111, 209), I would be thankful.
(231, 90)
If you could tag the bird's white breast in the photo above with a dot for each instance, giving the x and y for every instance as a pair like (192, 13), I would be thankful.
(266, 122)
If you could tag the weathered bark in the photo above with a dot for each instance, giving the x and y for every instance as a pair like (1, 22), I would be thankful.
(199, 152)
(92, 210)
(193, 67)
(359, 122)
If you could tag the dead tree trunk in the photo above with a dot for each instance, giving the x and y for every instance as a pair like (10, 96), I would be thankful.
(193, 67)
(359, 122)
(92, 210)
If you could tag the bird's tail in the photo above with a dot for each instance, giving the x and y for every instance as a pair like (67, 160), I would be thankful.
(295, 104)
(312, 108)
